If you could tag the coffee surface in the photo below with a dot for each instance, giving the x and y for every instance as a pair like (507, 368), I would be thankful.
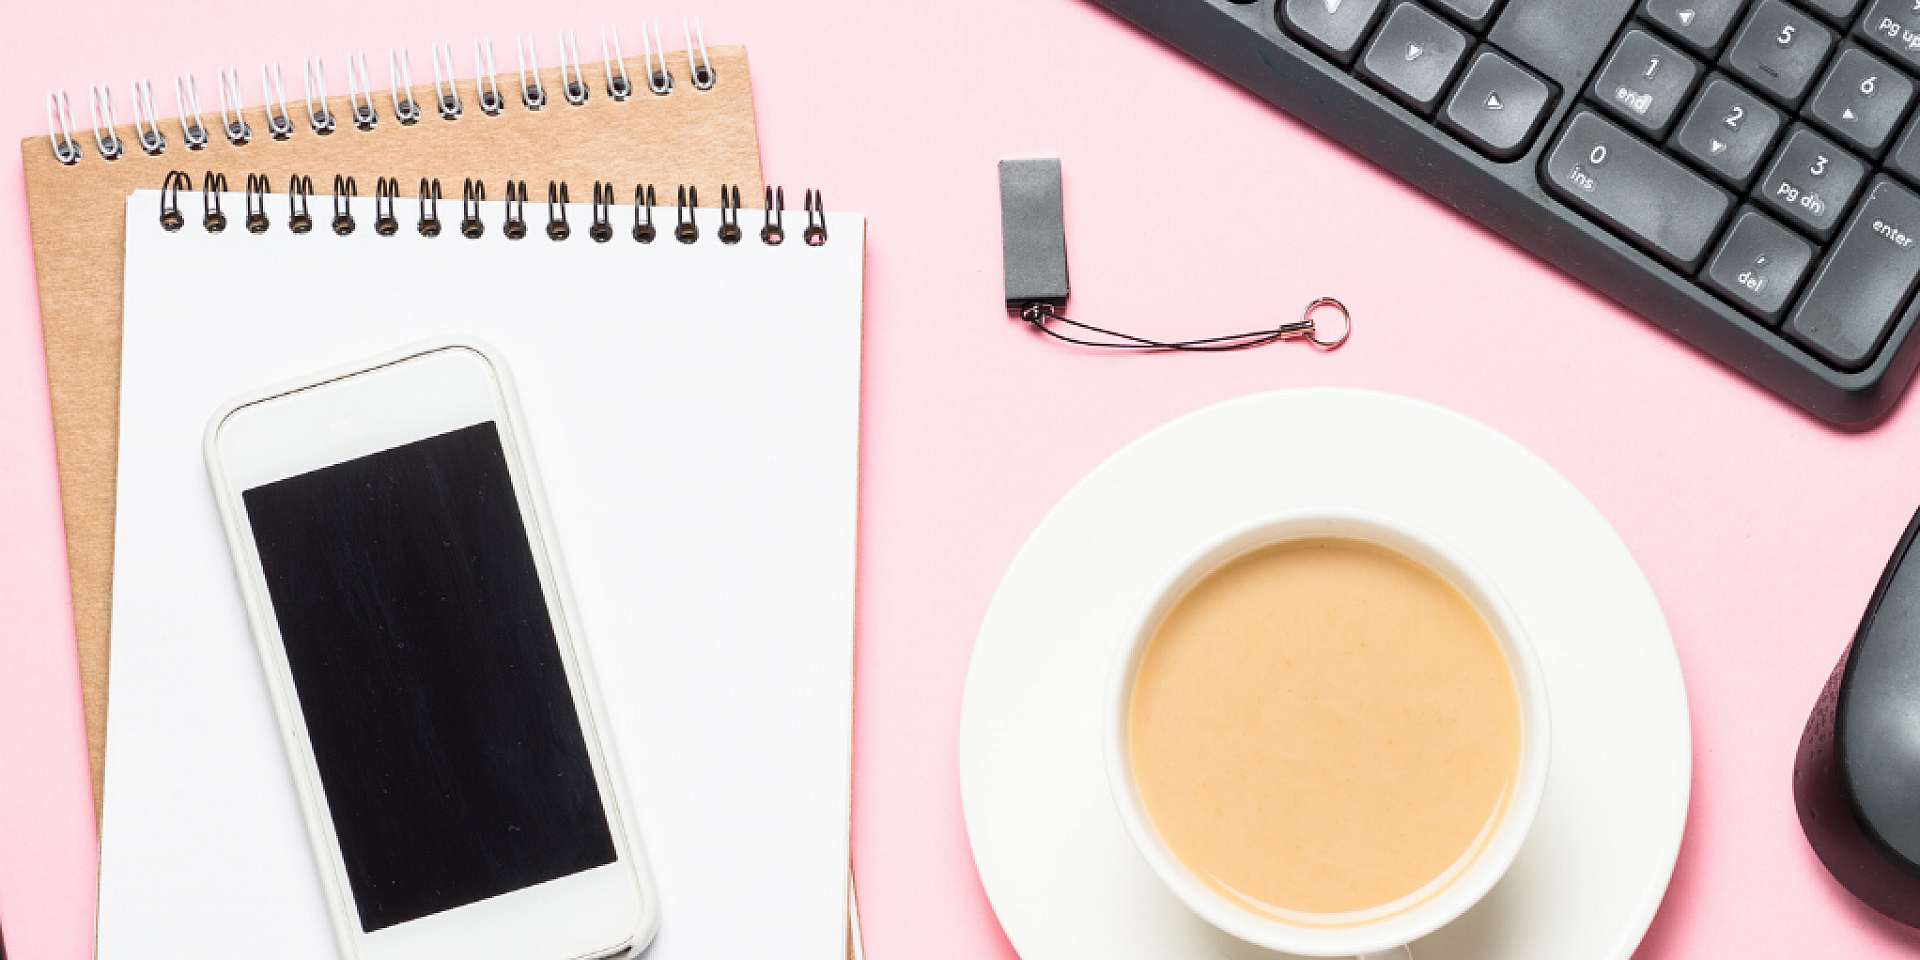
(1324, 727)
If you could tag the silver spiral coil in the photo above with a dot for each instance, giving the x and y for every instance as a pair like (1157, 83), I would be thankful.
(576, 89)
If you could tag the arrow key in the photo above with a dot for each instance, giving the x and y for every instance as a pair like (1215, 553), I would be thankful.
(1497, 106)
(1413, 56)
(1333, 27)
(1727, 132)
(1700, 24)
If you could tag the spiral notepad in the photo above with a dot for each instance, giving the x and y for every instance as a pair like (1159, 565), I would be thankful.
(680, 116)
(690, 379)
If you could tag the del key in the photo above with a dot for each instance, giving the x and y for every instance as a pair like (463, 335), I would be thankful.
(1616, 178)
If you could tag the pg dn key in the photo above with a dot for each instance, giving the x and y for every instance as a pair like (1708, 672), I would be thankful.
(1640, 193)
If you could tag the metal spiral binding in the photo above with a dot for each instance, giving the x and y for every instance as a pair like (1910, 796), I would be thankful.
(602, 229)
(360, 95)
(429, 209)
(318, 116)
(298, 193)
(816, 232)
(238, 132)
(658, 79)
(491, 103)
(386, 191)
(729, 233)
(618, 86)
(773, 227)
(146, 120)
(573, 82)
(643, 232)
(280, 125)
(687, 231)
(532, 95)
(186, 96)
(109, 144)
(363, 113)
(557, 226)
(257, 190)
(60, 128)
(211, 187)
(386, 198)
(400, 77)
(447, 97)
(344, 190)
(702, 72)
(471, 197)
(170, 218)
(516, 226)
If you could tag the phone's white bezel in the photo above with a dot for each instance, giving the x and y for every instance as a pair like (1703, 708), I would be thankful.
(410, 394)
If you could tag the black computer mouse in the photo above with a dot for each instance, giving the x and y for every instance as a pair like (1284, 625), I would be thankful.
(1856, 780)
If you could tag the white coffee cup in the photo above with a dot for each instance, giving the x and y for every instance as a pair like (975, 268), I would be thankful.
(1392, 926)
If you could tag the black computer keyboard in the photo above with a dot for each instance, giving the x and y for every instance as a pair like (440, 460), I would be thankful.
(1745, 173)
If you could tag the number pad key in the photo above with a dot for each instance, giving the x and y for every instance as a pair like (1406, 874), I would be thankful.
(1728, 131)
(1779, 50)
(1414, 55)
(1700, 24)
(1905, 158)
(1810, 182)
(1759, 265)
(1865, 281)
(1839, 11)
(1861, 100)
(1644, 81)
(1612, 176)
(1894, 27)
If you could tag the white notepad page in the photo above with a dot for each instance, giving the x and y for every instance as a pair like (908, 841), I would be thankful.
(694, 415)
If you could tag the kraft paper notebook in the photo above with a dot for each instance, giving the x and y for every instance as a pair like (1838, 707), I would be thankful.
(693, 409)
(486, 129)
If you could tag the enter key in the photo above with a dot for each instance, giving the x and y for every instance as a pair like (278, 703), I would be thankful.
(1866, 280)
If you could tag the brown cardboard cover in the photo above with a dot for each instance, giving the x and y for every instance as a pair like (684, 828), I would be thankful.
(689, 136)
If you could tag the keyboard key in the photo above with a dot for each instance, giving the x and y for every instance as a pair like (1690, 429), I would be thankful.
(1728, 130)
(1839, 11)
(1497, 106)
(1861, 100)
(1905, 158)
(1759, 264)
(1779, 50)
(1864, 283)
(1413, 56)
(1619, 180)
(1645, 81)
(1811, 181)
(1476, 14)
(1559, 39)
(1700, 24)
(1894, 27)
(1334, 27)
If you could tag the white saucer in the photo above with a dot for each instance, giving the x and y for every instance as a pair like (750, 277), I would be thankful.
(1058, 867)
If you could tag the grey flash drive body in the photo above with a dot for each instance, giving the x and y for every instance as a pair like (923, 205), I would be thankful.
(1033, 234)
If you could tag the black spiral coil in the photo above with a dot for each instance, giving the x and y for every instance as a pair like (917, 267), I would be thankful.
(386, 213)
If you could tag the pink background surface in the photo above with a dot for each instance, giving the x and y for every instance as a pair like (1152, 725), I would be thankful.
(1191, 208)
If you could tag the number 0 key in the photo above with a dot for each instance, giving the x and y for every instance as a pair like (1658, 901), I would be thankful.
(1616, 178)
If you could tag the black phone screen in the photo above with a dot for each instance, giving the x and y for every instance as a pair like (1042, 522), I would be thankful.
(429, 675)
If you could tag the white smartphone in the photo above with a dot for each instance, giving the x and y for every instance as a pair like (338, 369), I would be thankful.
(436, 701)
